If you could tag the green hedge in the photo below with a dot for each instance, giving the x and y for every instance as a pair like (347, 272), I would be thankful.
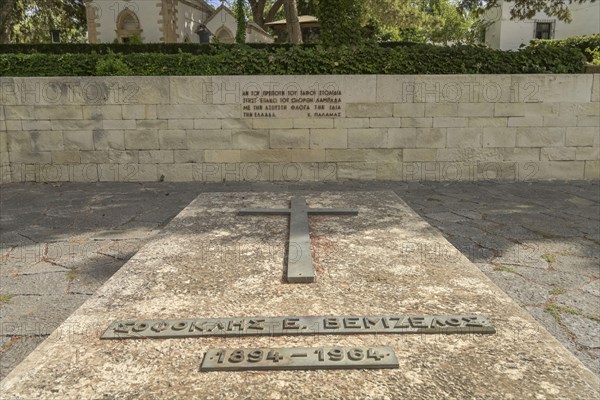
(291, 60)
(579, 42)
(164, 48)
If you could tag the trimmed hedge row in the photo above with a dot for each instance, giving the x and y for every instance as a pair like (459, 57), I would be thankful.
(164, 48)
(580, 42)
(297, 60)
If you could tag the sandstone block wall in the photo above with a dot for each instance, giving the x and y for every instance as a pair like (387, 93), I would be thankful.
(300, 128)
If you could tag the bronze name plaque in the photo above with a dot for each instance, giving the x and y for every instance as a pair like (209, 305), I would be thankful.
(293, 326)
(305, 358)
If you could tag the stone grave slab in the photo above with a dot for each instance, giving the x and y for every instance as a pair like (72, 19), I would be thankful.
(209, 262)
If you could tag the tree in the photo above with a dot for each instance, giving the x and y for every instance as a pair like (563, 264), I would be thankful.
(240, 14)
(7, 8)
(307, 7)
(435, 21)
(30, 21)
(292, 22)
(523, 9)
(258, 10)
(340, 21)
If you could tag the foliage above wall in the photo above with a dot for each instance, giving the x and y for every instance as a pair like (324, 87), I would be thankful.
(580, 42)
(301, 60)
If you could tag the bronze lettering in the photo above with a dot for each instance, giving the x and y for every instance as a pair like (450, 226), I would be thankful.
(256, 324)
(160, 326)
(140, 327)
(352, 322)
(196, 326)
(291, 323)
(400, 323)
(417, 322)
(236, 324)
(472, 321)
(369, 322)
(331, 323)
(179, 326)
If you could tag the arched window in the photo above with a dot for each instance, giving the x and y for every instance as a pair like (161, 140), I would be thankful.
(186, 39)
(128, 26)
(224, 35)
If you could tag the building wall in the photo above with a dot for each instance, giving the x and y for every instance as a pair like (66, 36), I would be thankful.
(227, 128)
(188, 21)
(107, 12)
(222, 19)
(255, 36)
(586, 21)
(505, 34)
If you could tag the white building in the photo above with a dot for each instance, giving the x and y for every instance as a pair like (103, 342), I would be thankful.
(504, 34)
(165, 21)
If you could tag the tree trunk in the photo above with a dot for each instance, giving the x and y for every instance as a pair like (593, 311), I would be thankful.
(258, 11)
(6, 13)
(293, 24)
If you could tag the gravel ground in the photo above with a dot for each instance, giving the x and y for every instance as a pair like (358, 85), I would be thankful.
(539, 242)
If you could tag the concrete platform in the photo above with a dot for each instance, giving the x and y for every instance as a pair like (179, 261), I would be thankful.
(209, 262)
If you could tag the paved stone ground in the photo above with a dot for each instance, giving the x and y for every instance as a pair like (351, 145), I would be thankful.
(539, 242)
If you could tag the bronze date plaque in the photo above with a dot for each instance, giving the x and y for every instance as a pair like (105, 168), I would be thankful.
(304, 358)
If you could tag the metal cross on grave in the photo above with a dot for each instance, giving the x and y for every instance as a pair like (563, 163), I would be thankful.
(299, 268)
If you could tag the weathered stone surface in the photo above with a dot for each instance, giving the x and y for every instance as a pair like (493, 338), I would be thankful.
(431, 137)
(222, 156)
(586, 331)
(78, 140)
(592, 170)
(156, 156)
(463, 137)
(328, 138)
(357, 171)
(475, 109)
(250, 139)
(163, 280)
(108, 140)
(540, 137)
(554, 88)
(384, 122)
(407, 137)
(369, 110)
(190, 90)
(209, 139)
(188, 156)
(98, 113)
(416, 110)
(583, 136)
(322, 123)
(139, 111)
(381, 155)
(454, 111)
(172, 139)
(558, 154)
(176, 172)
(141, 139)
(46, 140)
(499, 137)
(66, 157)
(289, 138)
(372, 138)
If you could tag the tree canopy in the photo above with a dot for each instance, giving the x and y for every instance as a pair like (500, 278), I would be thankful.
(30, 21)
(439, 21)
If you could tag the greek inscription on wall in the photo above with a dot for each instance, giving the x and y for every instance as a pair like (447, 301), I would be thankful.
(311, 103)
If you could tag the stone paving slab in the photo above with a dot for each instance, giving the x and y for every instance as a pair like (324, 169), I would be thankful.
(81, 215)
(167, 279)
